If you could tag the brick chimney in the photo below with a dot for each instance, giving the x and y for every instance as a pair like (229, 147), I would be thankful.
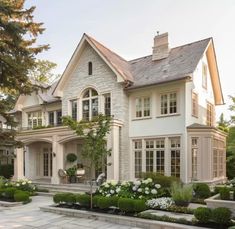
(161, 47)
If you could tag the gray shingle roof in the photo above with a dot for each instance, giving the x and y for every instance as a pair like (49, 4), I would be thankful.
(180, 63)
(47, 96)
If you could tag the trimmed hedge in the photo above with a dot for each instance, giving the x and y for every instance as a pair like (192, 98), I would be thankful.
(203, 214)
(139, 205)
(126, 205)
(103, 202)
(83, 199)
(202, 190)
(221, 215)
(224, 193)
(59, 198)
(21, 196)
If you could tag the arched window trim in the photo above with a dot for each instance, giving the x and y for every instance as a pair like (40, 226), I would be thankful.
(90, 68)
(90, 104)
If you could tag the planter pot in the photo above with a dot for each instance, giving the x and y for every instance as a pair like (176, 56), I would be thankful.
(72, 179)
(182, 203)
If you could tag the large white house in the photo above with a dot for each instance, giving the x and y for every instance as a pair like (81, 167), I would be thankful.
(163, 108)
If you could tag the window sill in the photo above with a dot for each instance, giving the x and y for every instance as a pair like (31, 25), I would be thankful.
(141, 118)
(168, 115)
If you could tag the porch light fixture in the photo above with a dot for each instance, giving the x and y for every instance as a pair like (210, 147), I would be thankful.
(54, 154)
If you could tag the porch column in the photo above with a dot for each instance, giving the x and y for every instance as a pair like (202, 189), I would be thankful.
(114, 143)
(19, 164)
(57, 160)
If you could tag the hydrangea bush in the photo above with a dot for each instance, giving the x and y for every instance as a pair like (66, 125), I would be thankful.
(140, 189)
(23, 184)
(160, 203)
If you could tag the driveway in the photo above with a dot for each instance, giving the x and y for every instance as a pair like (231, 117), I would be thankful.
(29, 216)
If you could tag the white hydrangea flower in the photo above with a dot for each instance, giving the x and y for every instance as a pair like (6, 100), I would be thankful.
(137, 183)
(30, 182)
(150, 180)
(134, 188)
(108, 195)
(154, 191)
(146, 192)
(17, 184)
(118, 190)
(107, 185)
(140, 197)
(139, 190)
(113, 182)
(146, 188)
(24, 183)
(112, 191)
(157, 186)
(6, 184)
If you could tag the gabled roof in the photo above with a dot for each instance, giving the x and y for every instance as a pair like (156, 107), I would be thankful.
(181, 63)
(47, 96)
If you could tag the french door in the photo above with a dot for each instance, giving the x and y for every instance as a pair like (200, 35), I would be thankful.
(47, 162)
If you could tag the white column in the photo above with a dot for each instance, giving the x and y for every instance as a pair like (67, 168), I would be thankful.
(19, 164)
(113, 143)
(57, 160)
(167, 163)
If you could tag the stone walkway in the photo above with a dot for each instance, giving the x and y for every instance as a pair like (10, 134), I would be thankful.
(29, 216)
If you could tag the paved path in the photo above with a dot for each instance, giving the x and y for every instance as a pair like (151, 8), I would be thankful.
(29, 216)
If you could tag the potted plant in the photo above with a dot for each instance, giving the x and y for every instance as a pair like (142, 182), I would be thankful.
(71, 172)
(71, 157)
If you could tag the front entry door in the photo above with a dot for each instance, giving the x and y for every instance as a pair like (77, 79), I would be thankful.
(47, 162)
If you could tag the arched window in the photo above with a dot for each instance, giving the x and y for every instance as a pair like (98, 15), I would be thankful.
(89, 104)
(89, 68)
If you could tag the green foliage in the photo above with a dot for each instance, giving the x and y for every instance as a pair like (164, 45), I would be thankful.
(59, 198)
(114, 201)
(202, 190)
(139, 205)
(164, 181)
(9, 192)
(71, 171)
(83, 199)
(95, 200)
(181, 194)
(223, 124)
(3, 180)
(7, 171)
(203, 214)
(21, 196)
(103, 202)
(71, 157)
(70, 198)
(221, 215)
(126, 205)
(224, 193)
(180, 209)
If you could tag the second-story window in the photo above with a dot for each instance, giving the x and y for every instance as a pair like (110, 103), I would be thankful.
(169, 103)
(34, 119)
(194, 104)
(74, 109)
(142, 107)
(51, 118)
(90, 104)
(209, 114)
(90, 69)
(59, 117)
(204, 75)
(107, 104)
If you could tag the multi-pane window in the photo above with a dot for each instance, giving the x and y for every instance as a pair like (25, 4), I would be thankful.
(209, 114)
(142, 107)
(194, 104)
(34, 119)
(204, 75)
(90, 104)
(90, 68)
(74, 109)
(175, 156)
(59, 117)
(218, 158)
(107, 104)
(51, 118)
(169, 103)
(150, 157)
(138, 157)
(194, 158)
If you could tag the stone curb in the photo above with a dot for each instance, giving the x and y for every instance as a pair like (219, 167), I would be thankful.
(10, 204)
(117, 219)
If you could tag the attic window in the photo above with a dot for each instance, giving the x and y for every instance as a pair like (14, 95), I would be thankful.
(89, 68)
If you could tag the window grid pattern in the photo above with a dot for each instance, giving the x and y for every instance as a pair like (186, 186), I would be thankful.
(218, 158)
(138, 158)
(142, 107)
(34, 119)
(51, 118)
(194, 104)
(209, 114)
(74, 108)
(169, 103)
(107, 104)
(194, 158)
(90, 104)
(59, 117)
(175, 156)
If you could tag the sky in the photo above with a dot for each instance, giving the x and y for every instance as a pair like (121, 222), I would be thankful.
(128, 26)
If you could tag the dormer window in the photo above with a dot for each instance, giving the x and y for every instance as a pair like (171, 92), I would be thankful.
(89, 68)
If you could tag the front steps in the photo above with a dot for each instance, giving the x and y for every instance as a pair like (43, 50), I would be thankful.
(58, 188)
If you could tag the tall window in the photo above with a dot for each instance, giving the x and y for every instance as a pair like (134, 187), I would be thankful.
(194, 104)
(51, 118)
(204, 75)
(107, 104)
(218, 158)
(175, 156)
(149, 146)
(142, 107)
(90, 104)
(160, 155)
(194, 158)
(59, 117)
(138, 157)
(209, 114)
(169, 103)
(74, 109)
(34, 119)
(90, 68)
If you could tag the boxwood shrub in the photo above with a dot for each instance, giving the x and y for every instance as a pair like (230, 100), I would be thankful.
(21, 196)
(83, 200)
(103, 202)
(221, 215)
(114, 201)
(224, 193)
(139, 205)
(59, 198)
(202, 190)
(203, 214)
(9, 193)
(70, 198)
(126, 205)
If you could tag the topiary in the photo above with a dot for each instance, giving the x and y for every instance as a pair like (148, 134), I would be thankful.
(9, 193)
(59, 198)
(224, 193)
(70, 198)
(221, 215)
(202, 190)
(202, 214)
(83, 199)
(126, 204)
(103, 202)
(139, 205)
(71, 157)
(21, 196)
